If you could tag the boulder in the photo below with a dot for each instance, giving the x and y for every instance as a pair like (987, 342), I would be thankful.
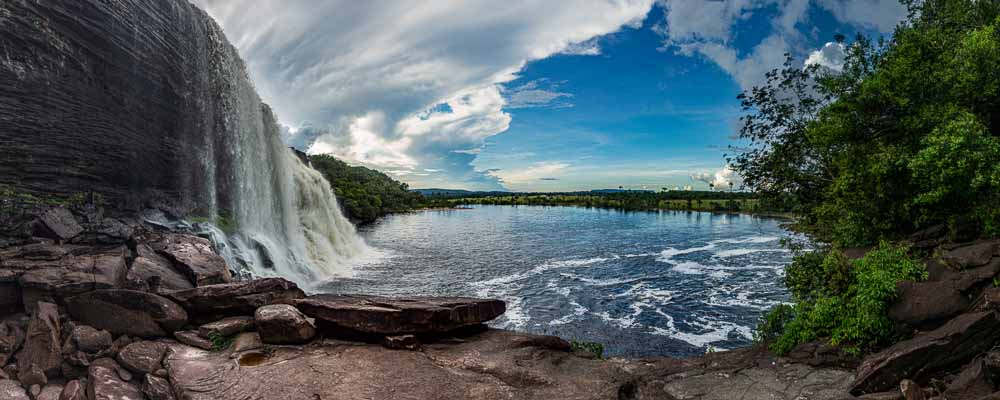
(247, 341)
(156, 388)
(42, 346)
(73, 274)
(59, 224)
(393, 316)
(191, 338)
(193, 256)
(919, 303)
(128, 312)
(104, 383)
(148, 265)
(12, 390)
(212, 302)
(283, 324)
(969, 256)
(105, 231)
(74, 390)
(51, 391)
(226, 327)
(90, 340)
(949, 346)
(965, 280)
(142, 357)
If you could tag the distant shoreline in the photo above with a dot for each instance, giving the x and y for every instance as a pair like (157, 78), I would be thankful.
(766, 214)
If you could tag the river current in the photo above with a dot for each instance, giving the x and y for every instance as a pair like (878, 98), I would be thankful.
(667, 283)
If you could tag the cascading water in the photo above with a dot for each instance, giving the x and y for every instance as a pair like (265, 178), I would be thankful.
(273, 214)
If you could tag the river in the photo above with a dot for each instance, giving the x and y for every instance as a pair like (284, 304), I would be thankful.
(667, 283)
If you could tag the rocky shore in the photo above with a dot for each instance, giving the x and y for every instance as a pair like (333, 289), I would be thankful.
(112, 307)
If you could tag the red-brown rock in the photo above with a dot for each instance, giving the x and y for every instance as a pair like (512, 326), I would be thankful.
(211, 302)
(128, 312)
(393, 316)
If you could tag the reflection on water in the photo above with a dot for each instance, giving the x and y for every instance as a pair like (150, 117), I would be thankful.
(643, 283)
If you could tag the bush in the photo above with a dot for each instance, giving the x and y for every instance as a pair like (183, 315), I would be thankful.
(597, 349)
(854, 317)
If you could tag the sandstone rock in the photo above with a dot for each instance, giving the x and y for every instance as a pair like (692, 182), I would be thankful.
(234, 299)
(149, 265)
(247, 341)
(73, 390)
(10, 293)
(79, 272)
(31, 375)
(191, 338)
(919, 303)
(42, 345)
(128, 312)
(283, 324)
(969, 256)
(193, 256)
(58, 223)
(51, 391)
(104, 383)
(142, 357)
(12, 390)
(391, 316)
(401, 342)
(105, 231)
(911, 391)
(91, 340)
(951, 345)
(156, 388)
(226, 327)
(822, 354)
(964, 280)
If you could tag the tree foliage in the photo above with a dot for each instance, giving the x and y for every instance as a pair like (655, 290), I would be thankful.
(365, 194)
(902, 138)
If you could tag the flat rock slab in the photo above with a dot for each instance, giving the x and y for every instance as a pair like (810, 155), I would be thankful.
(923, 302)
(211, 302)
(392, 316)
(969, 256)
(59, 223)
(782, 381)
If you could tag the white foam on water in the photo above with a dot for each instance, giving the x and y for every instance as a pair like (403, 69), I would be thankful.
(578, 311)
(709, 331)
(743, 252)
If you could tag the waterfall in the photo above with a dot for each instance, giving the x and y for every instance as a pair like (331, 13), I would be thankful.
(270, 213)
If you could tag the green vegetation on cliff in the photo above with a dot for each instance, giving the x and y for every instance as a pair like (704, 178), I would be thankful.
(365, 194)
(905, 137)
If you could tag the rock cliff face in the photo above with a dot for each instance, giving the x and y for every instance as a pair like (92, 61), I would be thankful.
(146, 103)
(124, 98)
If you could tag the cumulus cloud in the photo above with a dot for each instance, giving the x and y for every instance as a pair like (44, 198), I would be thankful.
(720, 179)
(881, 15)
(411, 84)
(831, 56)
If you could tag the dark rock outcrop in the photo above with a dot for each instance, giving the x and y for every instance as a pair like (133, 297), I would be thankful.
(128, 312)
(949, 346)
(283, 324)
(212, 302)
(127, 99)
(58, 223)
(393, 316)
(149, 266)
(969, 256)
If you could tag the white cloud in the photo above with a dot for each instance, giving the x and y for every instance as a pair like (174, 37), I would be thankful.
(831, 56)
(531, 174)
(720, 179)
(369, 76)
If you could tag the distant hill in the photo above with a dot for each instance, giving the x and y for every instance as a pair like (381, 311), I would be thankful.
(436, 192)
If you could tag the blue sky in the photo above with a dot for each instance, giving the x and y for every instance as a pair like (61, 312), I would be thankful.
(532, 96)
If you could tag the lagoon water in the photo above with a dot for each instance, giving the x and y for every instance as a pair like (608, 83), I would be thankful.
(668, 283)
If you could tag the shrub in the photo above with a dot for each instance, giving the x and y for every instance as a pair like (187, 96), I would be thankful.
(594, 348)
(854, 317)
(771, 325)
